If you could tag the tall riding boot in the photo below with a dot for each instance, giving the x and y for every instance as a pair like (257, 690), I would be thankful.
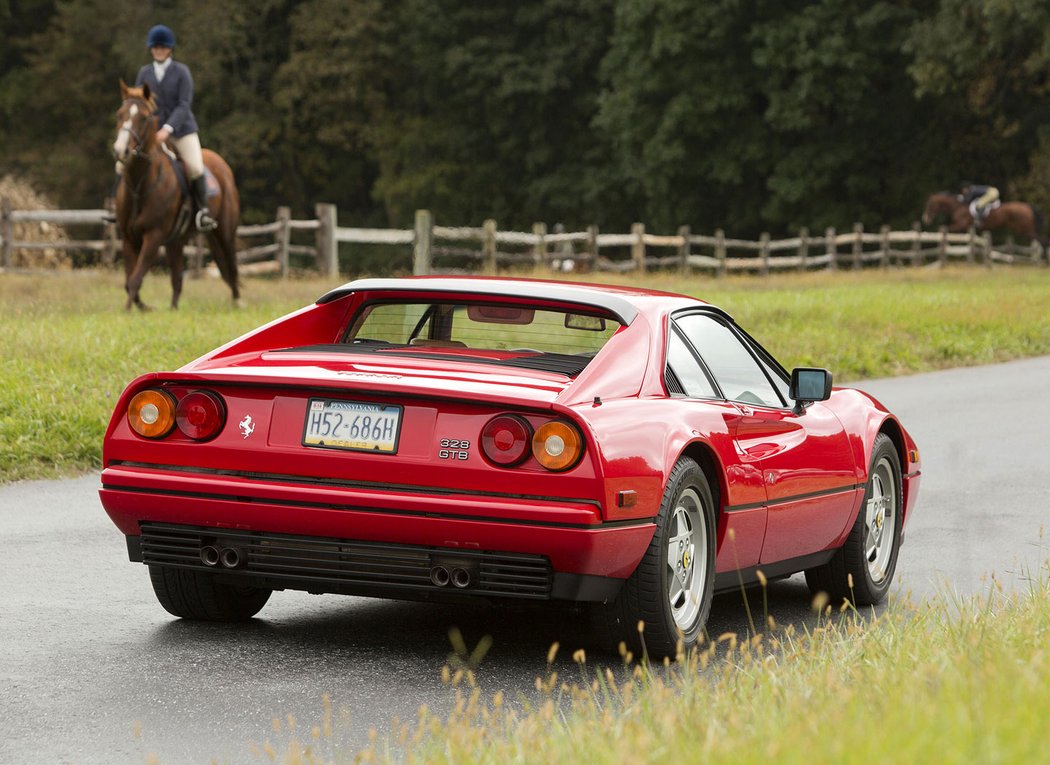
(203, 219)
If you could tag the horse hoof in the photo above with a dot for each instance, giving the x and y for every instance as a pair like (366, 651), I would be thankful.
(238, 303)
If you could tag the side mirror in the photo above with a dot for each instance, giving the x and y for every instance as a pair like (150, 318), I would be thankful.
(808, 385)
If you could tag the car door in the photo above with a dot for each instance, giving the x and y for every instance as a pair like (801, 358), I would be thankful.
(805, 458)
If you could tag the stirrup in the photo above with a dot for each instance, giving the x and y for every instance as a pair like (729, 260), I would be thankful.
(204, 222)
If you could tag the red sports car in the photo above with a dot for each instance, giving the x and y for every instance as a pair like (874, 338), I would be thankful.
(505, 439)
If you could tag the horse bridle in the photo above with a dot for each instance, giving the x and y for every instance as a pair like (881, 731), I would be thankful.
(137, 151)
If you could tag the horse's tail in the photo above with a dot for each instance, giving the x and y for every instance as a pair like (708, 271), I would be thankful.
(1040, 225)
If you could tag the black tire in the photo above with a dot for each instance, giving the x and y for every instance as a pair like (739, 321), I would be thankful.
(205, 596)
(687, 513)
(863, 556)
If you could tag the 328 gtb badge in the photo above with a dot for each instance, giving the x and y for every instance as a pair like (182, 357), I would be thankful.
(453, 449)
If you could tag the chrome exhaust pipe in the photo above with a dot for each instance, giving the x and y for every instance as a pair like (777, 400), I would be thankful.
(461, 578)
(439, 576)
(231, 557)
(210, 556)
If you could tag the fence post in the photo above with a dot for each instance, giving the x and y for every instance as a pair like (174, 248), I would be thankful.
(5, 232)
(884, 246)
(942, 246)
(638, 246)
(421, 249)
(763, 252)
(592, 249)
(282, 238)
(488, 246)
(539, 250)
(988, 259)
(327, 247)
(803, 247)
(916, 244)
(858, 246)
(970, 245)
(831, 249)
(683, 250)
(720, 252)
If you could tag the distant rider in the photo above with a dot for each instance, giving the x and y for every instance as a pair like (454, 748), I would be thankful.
(980, 199)
(172, 83)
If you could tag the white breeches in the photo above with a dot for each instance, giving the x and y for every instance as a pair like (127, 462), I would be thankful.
(189, 150)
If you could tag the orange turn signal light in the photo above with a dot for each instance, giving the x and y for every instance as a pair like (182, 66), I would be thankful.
(151, 413)
(557, 445)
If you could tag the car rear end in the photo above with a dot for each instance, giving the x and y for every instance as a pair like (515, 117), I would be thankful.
(424, 471)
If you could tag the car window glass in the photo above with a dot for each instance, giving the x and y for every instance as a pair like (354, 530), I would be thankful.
(687, 369)
(778, 379)
(510, 327)
(735, 369)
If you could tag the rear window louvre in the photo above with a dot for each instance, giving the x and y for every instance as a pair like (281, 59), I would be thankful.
(568, 364)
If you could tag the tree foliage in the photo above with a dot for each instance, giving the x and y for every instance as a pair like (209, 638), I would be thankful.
(747, 115)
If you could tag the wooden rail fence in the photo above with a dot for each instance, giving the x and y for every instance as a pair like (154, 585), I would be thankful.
(486, 249)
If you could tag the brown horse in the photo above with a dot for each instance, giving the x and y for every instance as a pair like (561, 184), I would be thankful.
(152, 210)
(1018, 218)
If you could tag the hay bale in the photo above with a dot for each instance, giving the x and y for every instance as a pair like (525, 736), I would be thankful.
(23, 197)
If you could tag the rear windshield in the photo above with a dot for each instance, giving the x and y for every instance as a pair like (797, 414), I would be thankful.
(518, 335)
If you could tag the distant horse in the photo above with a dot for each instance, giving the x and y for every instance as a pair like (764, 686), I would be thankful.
(152, 209)
(1018, 218)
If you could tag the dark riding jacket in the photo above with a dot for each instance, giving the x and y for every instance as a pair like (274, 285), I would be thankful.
(174, 97)
(975, 192)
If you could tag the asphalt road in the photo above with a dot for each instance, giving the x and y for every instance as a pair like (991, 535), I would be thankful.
(93, 670)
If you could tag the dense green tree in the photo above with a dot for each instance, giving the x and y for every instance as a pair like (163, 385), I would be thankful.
(750, 114)
(19, 21)
(850, 143)
(747, 115)
(235, 51)
(63, 124)
(489, 114)
(330, 93)
(987, 64)
(683, 109)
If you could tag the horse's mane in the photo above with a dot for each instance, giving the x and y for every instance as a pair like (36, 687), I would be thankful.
(140, 94)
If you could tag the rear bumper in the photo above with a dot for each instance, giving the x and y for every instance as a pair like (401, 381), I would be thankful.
(566, 537)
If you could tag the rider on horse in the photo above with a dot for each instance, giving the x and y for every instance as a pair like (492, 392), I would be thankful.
(172, 84)
(980, 199)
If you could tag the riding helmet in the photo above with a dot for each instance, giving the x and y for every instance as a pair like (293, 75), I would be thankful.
(160, 35)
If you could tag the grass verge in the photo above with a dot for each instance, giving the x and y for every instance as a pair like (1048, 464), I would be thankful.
(955, 681)
(68, 347)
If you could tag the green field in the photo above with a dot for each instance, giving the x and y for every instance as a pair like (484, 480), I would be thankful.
(69, 348)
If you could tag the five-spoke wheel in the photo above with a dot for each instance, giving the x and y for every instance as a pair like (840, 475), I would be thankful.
(671, 590)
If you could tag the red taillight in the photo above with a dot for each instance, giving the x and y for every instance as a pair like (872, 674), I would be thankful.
(200, 415)
(506, 440)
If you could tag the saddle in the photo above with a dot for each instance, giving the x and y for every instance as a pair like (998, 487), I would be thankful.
(184, 219)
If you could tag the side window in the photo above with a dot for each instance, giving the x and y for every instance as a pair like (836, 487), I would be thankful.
(686, 368)
(735, 369)
(778, 381)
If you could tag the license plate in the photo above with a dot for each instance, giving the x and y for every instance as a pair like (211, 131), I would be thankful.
(355, 425)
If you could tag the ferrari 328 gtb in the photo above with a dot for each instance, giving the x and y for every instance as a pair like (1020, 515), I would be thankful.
(507, 440)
